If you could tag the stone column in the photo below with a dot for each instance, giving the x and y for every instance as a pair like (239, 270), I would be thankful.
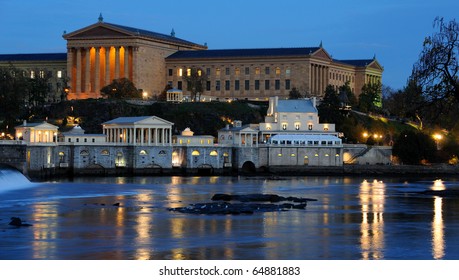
(117, 62)
(97, 72)
(126, 62)
(87, 71)
(107, 66)
(78, 70)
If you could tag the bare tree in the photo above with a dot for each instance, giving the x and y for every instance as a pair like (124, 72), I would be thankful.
(436, 71)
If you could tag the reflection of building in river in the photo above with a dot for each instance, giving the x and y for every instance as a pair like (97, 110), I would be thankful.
(372, 225)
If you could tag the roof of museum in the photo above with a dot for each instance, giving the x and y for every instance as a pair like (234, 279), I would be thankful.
(34, 57)
(356, 62)
(231, 53)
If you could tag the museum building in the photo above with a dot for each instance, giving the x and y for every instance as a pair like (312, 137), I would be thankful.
(101, 52)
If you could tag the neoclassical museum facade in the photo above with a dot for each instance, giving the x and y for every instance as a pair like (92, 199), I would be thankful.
(101, 52)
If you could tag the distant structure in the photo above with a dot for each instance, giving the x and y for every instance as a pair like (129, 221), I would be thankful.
(101, 52)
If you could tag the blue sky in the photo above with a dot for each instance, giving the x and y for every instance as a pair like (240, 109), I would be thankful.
(393, 30)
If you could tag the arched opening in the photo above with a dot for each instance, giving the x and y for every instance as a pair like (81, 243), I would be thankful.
(205, 170)
(248, 168)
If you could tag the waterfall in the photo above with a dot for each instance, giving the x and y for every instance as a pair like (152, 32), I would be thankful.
(11, 179)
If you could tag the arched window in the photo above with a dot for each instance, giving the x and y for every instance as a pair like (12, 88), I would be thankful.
(105, 153)
(143, 152)
(214, 153)
(195, 153)
(162, 153)
(84, 153)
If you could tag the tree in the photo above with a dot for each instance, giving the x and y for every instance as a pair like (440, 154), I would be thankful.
(294, 94)
(329, 106)
(121, 89)
(13, 87)
(414, 147)
(195, 80)
(346, 88)
(163, 95)
(370, 98)
(436, 71)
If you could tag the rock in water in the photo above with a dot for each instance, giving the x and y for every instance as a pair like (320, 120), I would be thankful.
(15, 221)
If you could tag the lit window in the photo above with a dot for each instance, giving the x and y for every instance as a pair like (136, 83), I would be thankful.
(180, 72)
(297, 126)
(32, 74)
(217, 71)
(214, 153)
(41, 74)
(143, 152)
(59, 74)
(237, 71)
(278, 71)
(188, 72)
(257, 71)
(105, 153)
(284, 126)
(310, 126)
(292, 155)
(279, 154)
(195, 153)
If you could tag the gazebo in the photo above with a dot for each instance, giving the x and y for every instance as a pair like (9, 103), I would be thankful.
(174, 95)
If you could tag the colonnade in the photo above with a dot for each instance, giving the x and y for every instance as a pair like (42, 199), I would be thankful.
(91, 68)
(319, 79)
(141, 136)
(372, 79)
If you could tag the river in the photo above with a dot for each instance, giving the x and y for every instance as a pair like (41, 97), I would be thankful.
(354, 218)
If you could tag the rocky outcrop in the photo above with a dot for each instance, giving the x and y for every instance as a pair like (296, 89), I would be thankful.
(17, 222)
(247, 204)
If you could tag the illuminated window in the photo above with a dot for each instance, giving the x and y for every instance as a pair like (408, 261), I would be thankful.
(217, 72)
(32, 74)
(188, 72)
(310, 126)
(143, 152)
(180, 72)
(105, 153)
(279, 154)
(61, 154)
(297, 126)
(195, 153)
(257, 71)
(284, 126)
(292, 155)
(214, 153)
(41, 74)
(59, 74)
(278, 71)
(237, 71)
(199, 73)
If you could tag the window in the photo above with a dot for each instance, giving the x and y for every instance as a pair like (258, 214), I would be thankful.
(179, 84)
(195, 153)
(284, 126)
(310, 126)
(267, 70)
(59, 74)
(278, 71)
(217, 85)
(257, 71)
(227, 71)
(236, 85)
(143, 153)
(287, 72)
(214, 153)
(246, 84)
(180, 72)
(188, 72)
(257, 84)
(297, 126)
(266, 84)
(41, 74)
(162, 153)
(277, 84)
(287, 84)
(170, 72)
(32, 74)
(86, 140)
(227, 85)
(105, 153)
(237, 71)
(207, 85)
(208, 71)
(247, 70)
(217, 72)
(93, 140)
(84, 153)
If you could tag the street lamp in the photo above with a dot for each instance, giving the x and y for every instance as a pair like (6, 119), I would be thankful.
(437, 137)
(144, 95)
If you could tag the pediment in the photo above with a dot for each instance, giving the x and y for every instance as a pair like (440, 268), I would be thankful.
(97, 31)
(153, 121)
(375, 65)
(321, 53)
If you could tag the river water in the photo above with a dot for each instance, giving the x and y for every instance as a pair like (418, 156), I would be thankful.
(352, 219)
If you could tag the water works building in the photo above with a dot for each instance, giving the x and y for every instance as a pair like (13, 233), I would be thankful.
(98, 53)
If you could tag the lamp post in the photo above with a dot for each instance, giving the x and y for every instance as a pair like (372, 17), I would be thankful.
(437, 137)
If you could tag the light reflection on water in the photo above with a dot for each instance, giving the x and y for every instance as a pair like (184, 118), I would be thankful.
(352, 219)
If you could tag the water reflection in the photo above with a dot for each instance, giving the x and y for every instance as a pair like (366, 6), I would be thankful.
(45, 231)
(438, 241)
(372, 225)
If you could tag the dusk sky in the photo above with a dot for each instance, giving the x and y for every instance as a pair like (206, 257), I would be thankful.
(393, 30)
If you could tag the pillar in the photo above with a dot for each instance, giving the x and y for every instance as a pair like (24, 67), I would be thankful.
(87, 71)
(107, 65)
(97, 72)
(78, 71)
(126, 62)
(117, 62)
